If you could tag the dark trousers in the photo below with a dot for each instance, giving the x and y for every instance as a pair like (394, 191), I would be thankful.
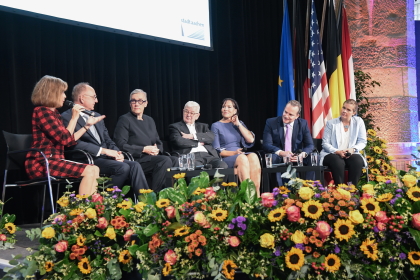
(157, 167)
(202, 158)
(120, 172)
(338, 164)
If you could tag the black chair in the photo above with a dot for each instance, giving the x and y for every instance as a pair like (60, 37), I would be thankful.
(18, 145)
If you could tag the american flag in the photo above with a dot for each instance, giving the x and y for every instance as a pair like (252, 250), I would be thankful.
(318, 90)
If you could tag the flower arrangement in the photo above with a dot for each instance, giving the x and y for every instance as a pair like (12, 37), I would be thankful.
(301, 231)
(7, 229)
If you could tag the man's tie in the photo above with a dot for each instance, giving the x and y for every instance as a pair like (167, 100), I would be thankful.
(288, 138)
(93, 130)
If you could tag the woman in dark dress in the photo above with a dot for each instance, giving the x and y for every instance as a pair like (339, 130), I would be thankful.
(51, 136)
(230, 135)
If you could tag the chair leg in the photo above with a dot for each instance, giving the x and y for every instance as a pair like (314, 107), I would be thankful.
(58, 192)
(43, 206)
(4, 191)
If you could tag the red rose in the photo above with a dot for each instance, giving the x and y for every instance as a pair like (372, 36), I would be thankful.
(102, 223)
(61, 246)
(170, 212)
(96, 197)
(415, 222)
(293, 213)
(323, 228)
(170, 257)
(268, 199)
(381, 217)
(128, 234)
(233, 241)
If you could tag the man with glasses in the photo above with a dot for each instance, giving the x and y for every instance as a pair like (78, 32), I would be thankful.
(136, 133)
(97, 142)
(189, 136)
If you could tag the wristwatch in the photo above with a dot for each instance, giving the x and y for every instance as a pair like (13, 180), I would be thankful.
(355, 150)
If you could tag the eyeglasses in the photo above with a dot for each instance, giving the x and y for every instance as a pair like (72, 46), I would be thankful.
(94, 97)
(133, 101)
(190, 113)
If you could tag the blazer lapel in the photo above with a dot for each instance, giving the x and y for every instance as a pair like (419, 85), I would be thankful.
(81, 121)
(296, 129)
(280, 128)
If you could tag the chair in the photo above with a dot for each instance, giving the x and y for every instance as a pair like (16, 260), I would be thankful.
(327, 171)
(18, 145)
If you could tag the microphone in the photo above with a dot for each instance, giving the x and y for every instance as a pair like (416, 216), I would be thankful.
(70, 104)
(297, 152)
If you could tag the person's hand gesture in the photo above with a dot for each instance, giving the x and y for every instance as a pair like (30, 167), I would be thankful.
(235, 120)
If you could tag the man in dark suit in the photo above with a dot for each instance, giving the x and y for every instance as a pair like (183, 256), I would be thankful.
(189, 136)
(97, 142)
(286, 135)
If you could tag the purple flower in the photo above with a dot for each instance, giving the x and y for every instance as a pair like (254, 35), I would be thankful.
(398, 195)
(276, 191)
(234, 220)
(375, 229)
(402, 256)
(399, 190)
(240, 219)
(277, 252)
(242, 226)
(337, 249)
(392, 259)
(69, 222)
(114, 196)
(388, 181)
(72, 195)
(392, 201)
(284, 195)
(231, 226)
(317, 195)
(275, 202)
(300, 246)
(240, 232)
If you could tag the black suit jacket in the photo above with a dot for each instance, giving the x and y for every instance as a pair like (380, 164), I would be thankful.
(274, 137)
(184, 146)
(88, 142)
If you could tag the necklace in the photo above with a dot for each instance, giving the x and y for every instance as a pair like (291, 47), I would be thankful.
(346, 126)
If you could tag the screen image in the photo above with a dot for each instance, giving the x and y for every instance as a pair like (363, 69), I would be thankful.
(185, 22)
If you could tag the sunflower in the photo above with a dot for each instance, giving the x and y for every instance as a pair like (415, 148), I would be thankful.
(11, 228)
(369, 248)
(375, 171)
(414, 257)
(371, 132)
(219, 214)
(384, 197)
(228, 269)
(386, 166)
(232, 184)
(82, 196)
(76, 212)
(414, 193)
(139, 206)
(369, 159)
(63, 201)
(81, 240)
(276, 215)
(370, 206)
(344, 229)
(283, 190)
(166, 269)
(163, 202)
(295, 259)
(377, 150)
(182, 231)
(124, 257)
(48, 266)
(312, 209)
(199, 191)
(125, 204)
(179, 175)
(332, 263)
(84, 266)
(145, 191)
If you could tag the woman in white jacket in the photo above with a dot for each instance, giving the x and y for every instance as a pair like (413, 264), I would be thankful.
(343, 139)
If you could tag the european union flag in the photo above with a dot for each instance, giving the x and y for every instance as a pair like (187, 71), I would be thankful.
(286, 91)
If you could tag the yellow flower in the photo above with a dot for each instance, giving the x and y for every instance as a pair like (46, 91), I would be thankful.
(414, 257)
(356, 217)
(343, 229)
(283, 190)
(306, 193)
(182, 231)
(377, 161)
(380, 178)
(384, 197)
(383, 146)
(370, 206)
(414, 193)
(267, 240)
(91, 213)
(81, 240)
(369, 248)
(375, 171)
(233, 184)
(110, 233)
(125, 204)
(332, 263)
(369, 159)
(298, 237)
(179, 175)
(219, 214)
(166, 269)
(199, 191)
(393, 179)
(84, 266)
(312, 209)
(76, 212)
(228, 269)
(390, 157)
(371, 132)
(377, 150)
(145, 191)
(383, 140)
(139, 206)
(295, 259)
(276, 215)
(409, 180)
(161, 203)
(48, 266)
(110, 189)
(11, 228)
(63, 201)
(48, 233)
(368, 188)
(124, 257)
(345, 194)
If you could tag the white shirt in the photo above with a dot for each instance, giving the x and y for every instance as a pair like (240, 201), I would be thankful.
(343, 141)
(85, 117)
(193, 131)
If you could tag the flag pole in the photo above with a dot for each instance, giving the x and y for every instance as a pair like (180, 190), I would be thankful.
(321, 32)
(308, 12)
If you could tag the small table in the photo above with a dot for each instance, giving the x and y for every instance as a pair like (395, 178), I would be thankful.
(194, 173)
(319, 171)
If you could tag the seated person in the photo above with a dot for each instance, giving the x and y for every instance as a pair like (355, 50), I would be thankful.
(229, 135)
(97, 142)
(344, 138)
(136, 133)
(283, 136)
(189, 136)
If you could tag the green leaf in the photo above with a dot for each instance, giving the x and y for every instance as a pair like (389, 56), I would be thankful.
(250, 191)
(416, 235)
(125, 190)
(174, 226)
(416, 207)
(151, 198)
(150, 230)
(173, 195)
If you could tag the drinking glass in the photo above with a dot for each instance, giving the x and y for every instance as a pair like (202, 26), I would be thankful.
(182, 160)
(269, 160)
(191, 161)
(314, 159)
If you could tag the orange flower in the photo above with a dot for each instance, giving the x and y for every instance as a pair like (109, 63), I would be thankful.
(198, 252)
(331, 200)
(315, 233)
(342, 214)
(331, 217)
(308, 249)
(299, 204)
(193, 236)
(198, 232)
(202, 239)
(318, 243)
(312, 239)
(341, 203)
(316, 255)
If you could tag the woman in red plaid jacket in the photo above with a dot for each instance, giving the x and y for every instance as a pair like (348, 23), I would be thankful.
(51, 136)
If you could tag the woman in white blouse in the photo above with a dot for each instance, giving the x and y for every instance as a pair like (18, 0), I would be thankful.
(343, 139)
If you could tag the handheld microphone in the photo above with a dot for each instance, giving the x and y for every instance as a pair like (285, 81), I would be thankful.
(70, 104)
